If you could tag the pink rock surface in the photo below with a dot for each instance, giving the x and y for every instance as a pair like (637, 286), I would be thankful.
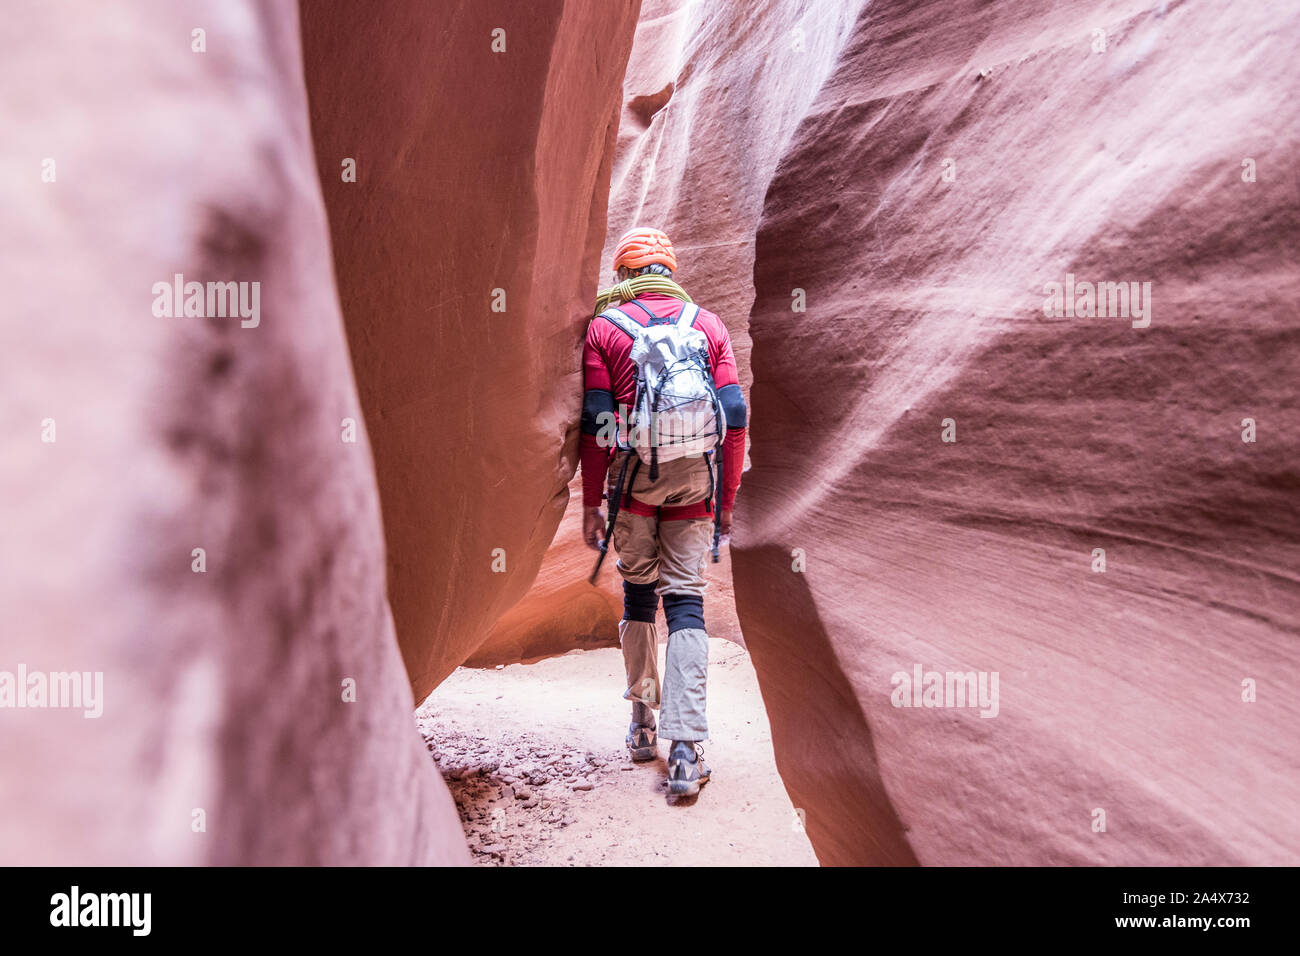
(222, 691)
(712, 94)
(795, 152)
(477, 171)
(1120, 691)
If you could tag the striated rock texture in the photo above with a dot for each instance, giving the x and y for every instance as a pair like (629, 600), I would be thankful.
(466, 259)
(133, 438)
(1121, 692)
(712, 94)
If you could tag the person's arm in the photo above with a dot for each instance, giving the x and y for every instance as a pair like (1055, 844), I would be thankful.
(727, 381)
(593, 457)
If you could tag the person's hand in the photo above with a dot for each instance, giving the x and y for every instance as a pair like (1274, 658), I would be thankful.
(593, 526)
(724, 522)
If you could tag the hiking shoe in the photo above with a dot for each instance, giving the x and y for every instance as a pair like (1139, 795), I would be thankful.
(686, 768)
(642, 742)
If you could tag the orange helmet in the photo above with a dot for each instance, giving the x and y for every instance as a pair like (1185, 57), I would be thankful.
(641, 246)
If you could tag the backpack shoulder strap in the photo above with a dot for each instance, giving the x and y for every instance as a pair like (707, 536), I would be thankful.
(690, 312)
(651, 318)
(621, 320)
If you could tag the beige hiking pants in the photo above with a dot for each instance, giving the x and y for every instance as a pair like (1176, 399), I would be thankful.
(673, 553)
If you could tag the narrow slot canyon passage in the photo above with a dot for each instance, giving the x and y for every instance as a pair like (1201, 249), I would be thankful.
(533, 755)
(313, 320)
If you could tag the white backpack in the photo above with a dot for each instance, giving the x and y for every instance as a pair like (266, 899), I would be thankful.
(676, 412)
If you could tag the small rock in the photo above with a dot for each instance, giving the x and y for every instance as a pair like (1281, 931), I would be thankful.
(583, 785)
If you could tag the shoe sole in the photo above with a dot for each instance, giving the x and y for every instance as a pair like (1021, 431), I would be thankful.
(686, 788)
(642, 754)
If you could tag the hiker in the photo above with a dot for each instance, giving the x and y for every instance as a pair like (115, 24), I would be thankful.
(654, 357)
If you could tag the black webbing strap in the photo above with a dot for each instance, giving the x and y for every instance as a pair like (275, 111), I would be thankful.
(615, 502)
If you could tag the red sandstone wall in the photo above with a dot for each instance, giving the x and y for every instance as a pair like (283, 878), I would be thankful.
(476, 171)
(1120, 691)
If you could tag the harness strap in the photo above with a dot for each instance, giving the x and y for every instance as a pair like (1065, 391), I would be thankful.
(653, 319)
(700, 509)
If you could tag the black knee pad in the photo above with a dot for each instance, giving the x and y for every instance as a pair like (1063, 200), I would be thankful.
(684, 610)
(640, 601)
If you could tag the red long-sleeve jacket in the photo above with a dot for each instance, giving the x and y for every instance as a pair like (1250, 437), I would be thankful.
(609, 381)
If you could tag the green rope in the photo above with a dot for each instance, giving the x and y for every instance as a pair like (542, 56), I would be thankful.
(629, 289)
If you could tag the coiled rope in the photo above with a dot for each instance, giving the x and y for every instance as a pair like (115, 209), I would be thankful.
(629, 289)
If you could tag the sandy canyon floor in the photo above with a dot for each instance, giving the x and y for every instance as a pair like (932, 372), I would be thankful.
(534, 757)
